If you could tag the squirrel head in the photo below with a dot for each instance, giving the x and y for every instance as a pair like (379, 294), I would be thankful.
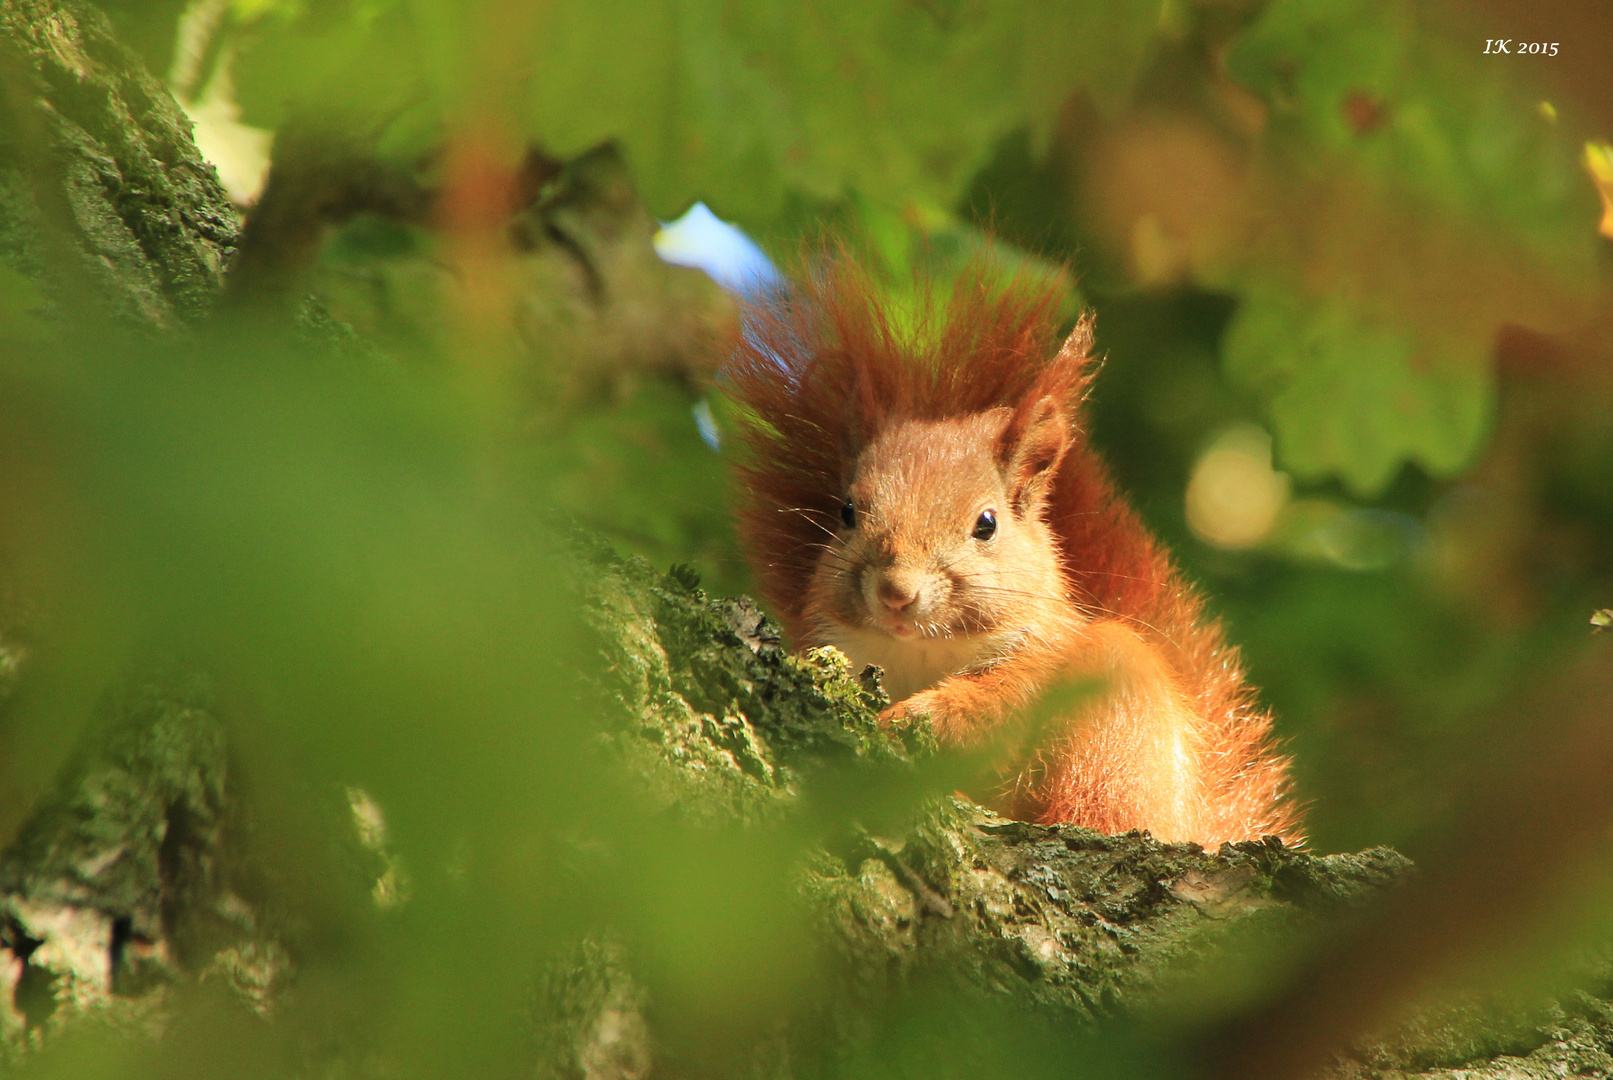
(943, 531)
(827, 383)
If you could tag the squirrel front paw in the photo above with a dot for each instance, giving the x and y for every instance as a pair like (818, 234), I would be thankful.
(924, 705)
(896, 716)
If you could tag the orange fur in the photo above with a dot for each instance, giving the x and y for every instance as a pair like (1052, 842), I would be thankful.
(922, 427)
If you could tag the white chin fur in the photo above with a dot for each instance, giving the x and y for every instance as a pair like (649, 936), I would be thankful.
(911, 664)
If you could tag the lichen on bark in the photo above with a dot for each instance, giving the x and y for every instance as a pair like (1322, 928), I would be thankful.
(124, 883)
(121, 883)
(725, 723)
(1058, 922)
(706, 704)
(100, 180)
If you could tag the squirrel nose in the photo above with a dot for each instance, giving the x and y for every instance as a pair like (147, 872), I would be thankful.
(896, 597)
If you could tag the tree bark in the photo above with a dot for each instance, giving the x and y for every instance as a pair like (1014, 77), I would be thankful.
(100, 180)
(128, 879)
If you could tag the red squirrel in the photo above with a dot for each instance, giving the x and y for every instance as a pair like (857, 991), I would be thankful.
(919, 492)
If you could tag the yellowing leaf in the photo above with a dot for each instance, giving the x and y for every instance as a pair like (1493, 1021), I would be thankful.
(1599, 162)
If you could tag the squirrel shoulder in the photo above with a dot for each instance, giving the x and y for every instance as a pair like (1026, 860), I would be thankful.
(932, 507)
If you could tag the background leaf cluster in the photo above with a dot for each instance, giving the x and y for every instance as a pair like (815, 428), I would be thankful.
(1333, 218)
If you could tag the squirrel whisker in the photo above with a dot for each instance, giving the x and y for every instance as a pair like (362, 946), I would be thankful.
(984, 514)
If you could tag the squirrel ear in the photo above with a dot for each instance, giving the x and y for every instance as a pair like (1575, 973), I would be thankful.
(1030, 449)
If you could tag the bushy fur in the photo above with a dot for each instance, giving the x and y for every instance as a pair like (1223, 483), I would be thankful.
(822, 371)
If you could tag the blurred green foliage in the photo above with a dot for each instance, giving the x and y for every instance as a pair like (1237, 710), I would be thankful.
(736, 104)
(364, 550)
(1360, 368)
(1395, 197)
(1383, 142)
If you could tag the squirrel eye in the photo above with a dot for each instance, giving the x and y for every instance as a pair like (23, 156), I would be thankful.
(986, 525)
(848, 514)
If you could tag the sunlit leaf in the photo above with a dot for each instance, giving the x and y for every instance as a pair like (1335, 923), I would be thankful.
(1414, 199)
(1356, 398)
(733, 104)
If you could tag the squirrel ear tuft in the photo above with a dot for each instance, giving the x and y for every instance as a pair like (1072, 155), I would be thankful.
(1030, 449)
(1078, 346)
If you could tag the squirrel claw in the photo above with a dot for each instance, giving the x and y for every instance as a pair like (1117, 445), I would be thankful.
(908, 711)
(894, 716)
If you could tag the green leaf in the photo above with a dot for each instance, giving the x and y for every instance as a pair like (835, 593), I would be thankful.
(22, 309)
(733, 103)
(1421, 200)
(1357, 397)
(738, 103)
(1422, 115)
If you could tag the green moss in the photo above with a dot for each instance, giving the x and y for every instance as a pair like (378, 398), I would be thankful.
(110, 163)
(910, 896)
(706, 702)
